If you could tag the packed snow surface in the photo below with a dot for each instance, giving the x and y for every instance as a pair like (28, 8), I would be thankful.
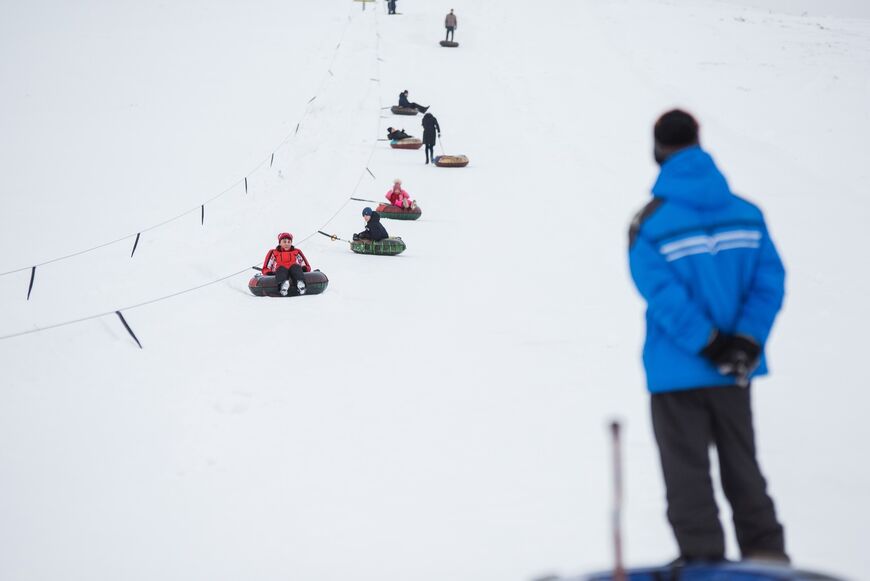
(436, 415)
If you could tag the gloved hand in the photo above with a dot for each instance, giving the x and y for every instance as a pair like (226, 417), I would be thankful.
(736, 355)
(439, 135)
(356, 236)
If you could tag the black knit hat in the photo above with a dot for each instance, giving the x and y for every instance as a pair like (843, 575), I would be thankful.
(676, 129)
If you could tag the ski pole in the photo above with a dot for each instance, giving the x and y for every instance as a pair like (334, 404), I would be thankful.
(332, 237)
(618, 569)
(364, 200)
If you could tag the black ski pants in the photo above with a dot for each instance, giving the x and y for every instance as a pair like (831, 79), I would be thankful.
(686, 423)
(430, 152)
(294, 273)
(449, 35)
(392, 7)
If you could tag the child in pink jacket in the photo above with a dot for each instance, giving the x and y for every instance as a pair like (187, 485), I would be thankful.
(399, 197)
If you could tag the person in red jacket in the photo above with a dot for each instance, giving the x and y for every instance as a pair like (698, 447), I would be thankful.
(287, 263)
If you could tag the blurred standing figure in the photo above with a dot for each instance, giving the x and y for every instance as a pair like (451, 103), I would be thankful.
(703, 260)
(450, 23)
(391, 5)
(430, 128)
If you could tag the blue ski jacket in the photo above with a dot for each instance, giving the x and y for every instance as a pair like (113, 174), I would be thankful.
(702, 259)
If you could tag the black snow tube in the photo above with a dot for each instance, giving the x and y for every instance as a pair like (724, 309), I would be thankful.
(449, 43)
(264, 285)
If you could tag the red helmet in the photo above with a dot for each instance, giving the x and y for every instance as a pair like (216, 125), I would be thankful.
(284, 235)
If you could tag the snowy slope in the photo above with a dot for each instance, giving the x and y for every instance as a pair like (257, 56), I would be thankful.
(440, 413)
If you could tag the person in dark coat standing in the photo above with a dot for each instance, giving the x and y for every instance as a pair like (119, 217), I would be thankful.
(404, 102)
(450, 23)
(391, 6)
(374, 229)
(705, 263)
(430, 130)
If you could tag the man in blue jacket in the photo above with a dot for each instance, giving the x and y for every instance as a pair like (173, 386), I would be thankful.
(705, 263)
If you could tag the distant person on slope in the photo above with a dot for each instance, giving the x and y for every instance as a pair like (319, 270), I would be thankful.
(403, 102)
(705, 263)
(430, 129)
(287, 263)
(451, 24)
(397, 134)
(374, 229)
(391, 7)
(399, 197)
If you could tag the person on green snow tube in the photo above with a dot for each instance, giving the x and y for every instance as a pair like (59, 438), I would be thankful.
(374, 231)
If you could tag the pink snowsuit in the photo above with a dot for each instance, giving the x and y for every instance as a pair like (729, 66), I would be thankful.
(400, 198)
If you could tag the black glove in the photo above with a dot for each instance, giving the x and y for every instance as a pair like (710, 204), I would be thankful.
(736, 355)
(356, 236)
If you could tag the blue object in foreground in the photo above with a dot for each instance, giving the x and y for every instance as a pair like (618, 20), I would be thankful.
(739, 571)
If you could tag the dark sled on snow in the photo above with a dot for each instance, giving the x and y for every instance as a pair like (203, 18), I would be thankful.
(403, 110)
(448, 43)
(386, 247)
(264, 285)
(397, 213)
(739, 571)
(407, 143)
(451, 160)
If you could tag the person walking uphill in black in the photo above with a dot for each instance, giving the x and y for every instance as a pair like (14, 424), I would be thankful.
(430, 129)
(374, 231)
(451, 24)
(403, 102)
(703, 260)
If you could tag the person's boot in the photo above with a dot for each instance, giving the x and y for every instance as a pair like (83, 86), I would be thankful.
(285, 288)
(300, 286)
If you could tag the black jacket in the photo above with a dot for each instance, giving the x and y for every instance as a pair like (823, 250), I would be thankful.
(397, 134)
(403, 101)
(374, 229)
(430, 128)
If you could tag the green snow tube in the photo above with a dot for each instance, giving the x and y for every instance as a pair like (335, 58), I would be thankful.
(386, 247)
(397, 213)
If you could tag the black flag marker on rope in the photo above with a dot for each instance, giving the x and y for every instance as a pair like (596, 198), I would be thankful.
(246, 185)
(312, 98)
(135, 244)
(297, 129)
(202, 221)
(272, 159)
(129, 330)
(371, 174)
(330, 72)
(32, 276)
